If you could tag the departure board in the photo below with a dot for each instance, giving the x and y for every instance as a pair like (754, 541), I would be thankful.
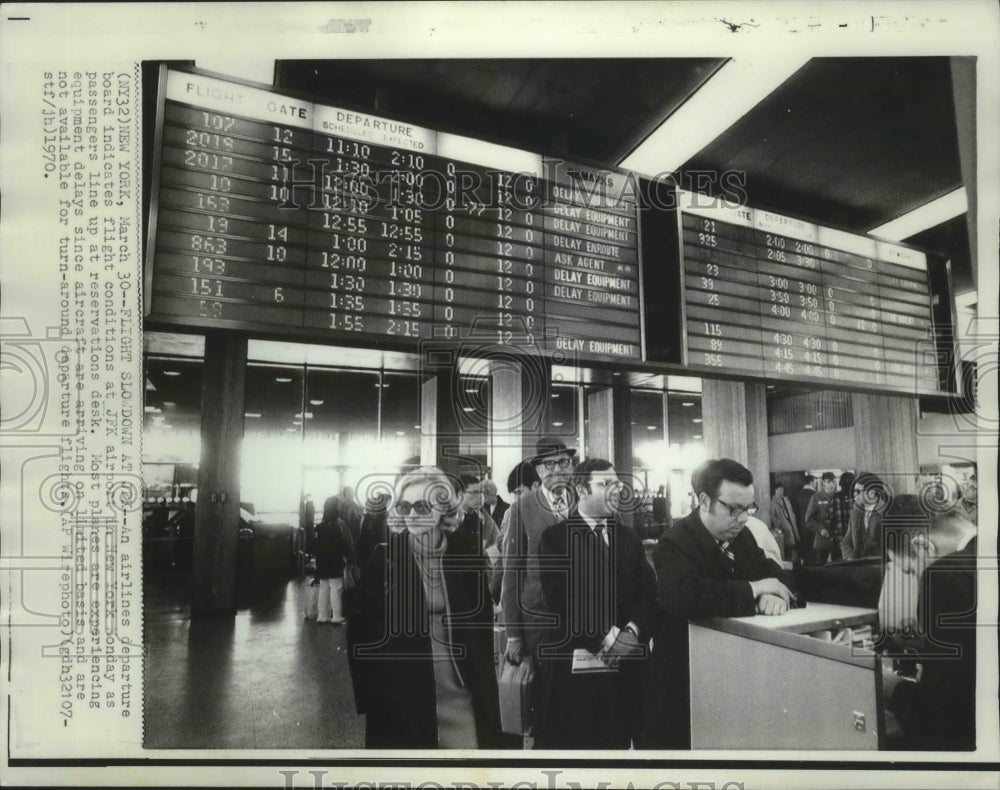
(772, 296)
(285, 217)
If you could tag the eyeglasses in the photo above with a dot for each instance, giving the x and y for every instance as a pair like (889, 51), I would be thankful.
(419, 508)
(738, 510)
(562, 463)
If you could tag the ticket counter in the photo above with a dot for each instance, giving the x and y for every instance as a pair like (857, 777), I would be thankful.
(798, 681)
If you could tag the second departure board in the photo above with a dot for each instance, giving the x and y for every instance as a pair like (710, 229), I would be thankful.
(777, 297)
(276, 215)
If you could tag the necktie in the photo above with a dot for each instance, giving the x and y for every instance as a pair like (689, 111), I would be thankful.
(728, 558)
(598, 581)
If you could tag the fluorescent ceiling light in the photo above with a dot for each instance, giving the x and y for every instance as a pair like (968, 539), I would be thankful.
(479, 152)
(259, 70)
(929, 215)
(729, 94)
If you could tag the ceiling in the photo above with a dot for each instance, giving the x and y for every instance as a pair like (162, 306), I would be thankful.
(847, 142)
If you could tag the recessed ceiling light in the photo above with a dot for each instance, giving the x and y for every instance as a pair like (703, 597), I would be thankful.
(169, 403)
(808, 426)
(468, 408)
(616, 373)
(688, 403)
(251, 414)
(316, 402)
(696, 419)
(283, 379)
(171, 373)
(555, 394)
(557, 424)
(400, 433)
(472, 390)
(416, 427)
(697, 436)
(652, 427)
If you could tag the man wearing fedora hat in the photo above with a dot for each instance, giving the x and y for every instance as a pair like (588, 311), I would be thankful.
(525, 614)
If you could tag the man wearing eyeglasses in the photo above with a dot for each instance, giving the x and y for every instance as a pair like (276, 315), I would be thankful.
(525, 615)
(707, 565)
(596, 579)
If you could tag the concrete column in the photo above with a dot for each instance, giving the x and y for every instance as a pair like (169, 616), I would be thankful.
(217, 512)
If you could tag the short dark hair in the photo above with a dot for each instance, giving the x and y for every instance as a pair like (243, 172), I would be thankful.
(708, 478)
(829, 477)
(466, 480)
(581, 474)
(873, 485)
(524, 474)
(903, 520)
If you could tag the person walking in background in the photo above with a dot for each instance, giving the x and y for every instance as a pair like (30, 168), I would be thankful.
(819, 520)
(352, 512)
(421, 637)
(843, 502)
(783, 518)
(334, 552)
(307, 523)
(477, 520)
(864, 528)
(495, 505)
(970, 498)
(373, 526)
(800, 502)
(661, 510)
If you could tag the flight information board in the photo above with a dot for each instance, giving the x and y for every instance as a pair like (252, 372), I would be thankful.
(777, 297)
(279, 216)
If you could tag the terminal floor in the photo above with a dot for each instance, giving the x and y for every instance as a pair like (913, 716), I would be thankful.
(264, 678)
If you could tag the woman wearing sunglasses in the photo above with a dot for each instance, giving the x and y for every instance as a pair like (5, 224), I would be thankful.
(422, 638)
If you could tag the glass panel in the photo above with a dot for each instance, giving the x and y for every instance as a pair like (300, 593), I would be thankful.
(272, 452)
(400, 441)
(685, 449)
(171, 451)
(649, 458)
(564, 413)
(474, 405)
(172, 419)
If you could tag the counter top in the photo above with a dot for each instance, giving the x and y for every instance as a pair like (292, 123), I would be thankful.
(814, 617)
(787, 630)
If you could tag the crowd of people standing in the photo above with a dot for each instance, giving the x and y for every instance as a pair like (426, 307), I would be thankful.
(446, 580)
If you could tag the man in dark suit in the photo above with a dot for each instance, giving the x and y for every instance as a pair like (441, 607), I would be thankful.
(596, 580)
(938, 711)
(707, 564)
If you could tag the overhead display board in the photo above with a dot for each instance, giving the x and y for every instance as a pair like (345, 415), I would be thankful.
(284, 217)
(776, 297)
